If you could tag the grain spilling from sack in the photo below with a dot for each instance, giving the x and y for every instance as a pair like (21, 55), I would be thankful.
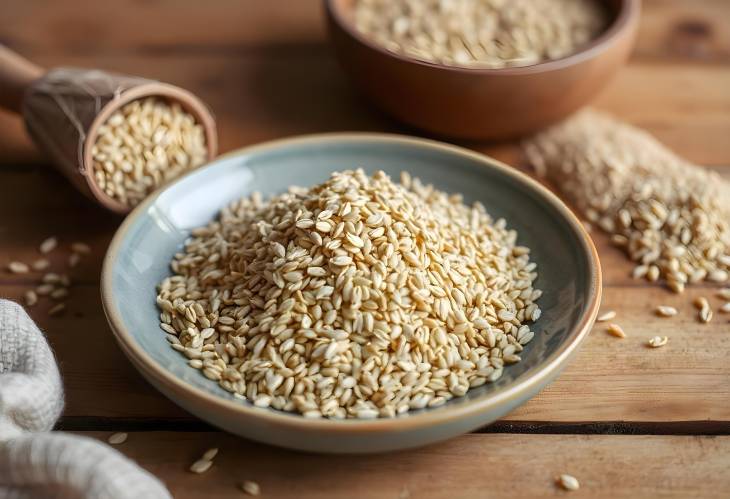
(356, 298)
(481, 33)
(670, 216)
(144, 145)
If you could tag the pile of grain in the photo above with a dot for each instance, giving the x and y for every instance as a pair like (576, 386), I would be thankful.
(358, 297)
(481, 33)
(670, 216)
(144, 145)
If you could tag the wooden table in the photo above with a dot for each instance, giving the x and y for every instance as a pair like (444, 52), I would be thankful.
(626, 420)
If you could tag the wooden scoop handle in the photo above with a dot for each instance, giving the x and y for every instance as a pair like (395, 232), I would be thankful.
(16, 73)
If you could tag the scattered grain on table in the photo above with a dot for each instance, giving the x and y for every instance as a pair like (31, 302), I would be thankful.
(18, 268)
(59, 293)
(616, 330)
(251, 488)
(201, 466)
(658, 341)
(41, 264)
(74, 259)
(80, 248)
(48, 245)
(57, 309)
(117, 438)
(355, 298)
(669, 216)
(665, 311)
(30, 297)
(568, 482)
(606, 316)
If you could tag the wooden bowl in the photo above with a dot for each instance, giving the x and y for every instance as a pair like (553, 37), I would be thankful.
(481, 103)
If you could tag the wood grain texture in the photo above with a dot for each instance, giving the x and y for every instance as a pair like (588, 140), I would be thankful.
(473, 465)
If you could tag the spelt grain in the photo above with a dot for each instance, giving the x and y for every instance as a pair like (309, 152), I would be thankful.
(31, 298)
(606, 316)
(201, 466)
(117, 438)
(41, 264)
(665, 311)
(658, 341)
(568, 482)
(18, 268)
(48, 245)
(616, 330)
(251, 488)
(57, 309)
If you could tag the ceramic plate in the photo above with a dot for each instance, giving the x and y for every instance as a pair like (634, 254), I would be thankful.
(139, 255)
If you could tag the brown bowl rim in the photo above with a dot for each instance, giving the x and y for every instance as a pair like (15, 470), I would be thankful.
(628, 14)
(549, 368)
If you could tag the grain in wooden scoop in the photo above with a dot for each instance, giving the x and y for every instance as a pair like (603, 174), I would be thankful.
(481, 33)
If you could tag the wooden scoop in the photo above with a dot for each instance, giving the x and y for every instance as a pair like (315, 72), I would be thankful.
(63, 109)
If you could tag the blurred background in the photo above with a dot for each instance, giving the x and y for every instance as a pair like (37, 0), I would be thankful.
(269, 72)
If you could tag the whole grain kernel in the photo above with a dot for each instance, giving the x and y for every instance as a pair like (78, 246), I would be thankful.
(658, 341)
(705, 315)
(80, 248)
(117, 438)
(700, 303)
(568, 482)
(48, 245)
(616, 330)
(665, 311)
(251, 488)
(201, 466)
(18, 268)
(41, 264)
(606, 316)
(74, 259)
(57, 309)
(31, 298)
(59, 293)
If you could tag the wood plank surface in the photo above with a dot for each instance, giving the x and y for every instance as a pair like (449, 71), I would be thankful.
(677, 88)
(474, 465)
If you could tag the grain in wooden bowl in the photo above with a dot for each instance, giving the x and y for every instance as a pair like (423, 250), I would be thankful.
(450, 68)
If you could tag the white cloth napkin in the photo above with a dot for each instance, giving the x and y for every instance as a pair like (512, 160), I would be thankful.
(34, 462)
